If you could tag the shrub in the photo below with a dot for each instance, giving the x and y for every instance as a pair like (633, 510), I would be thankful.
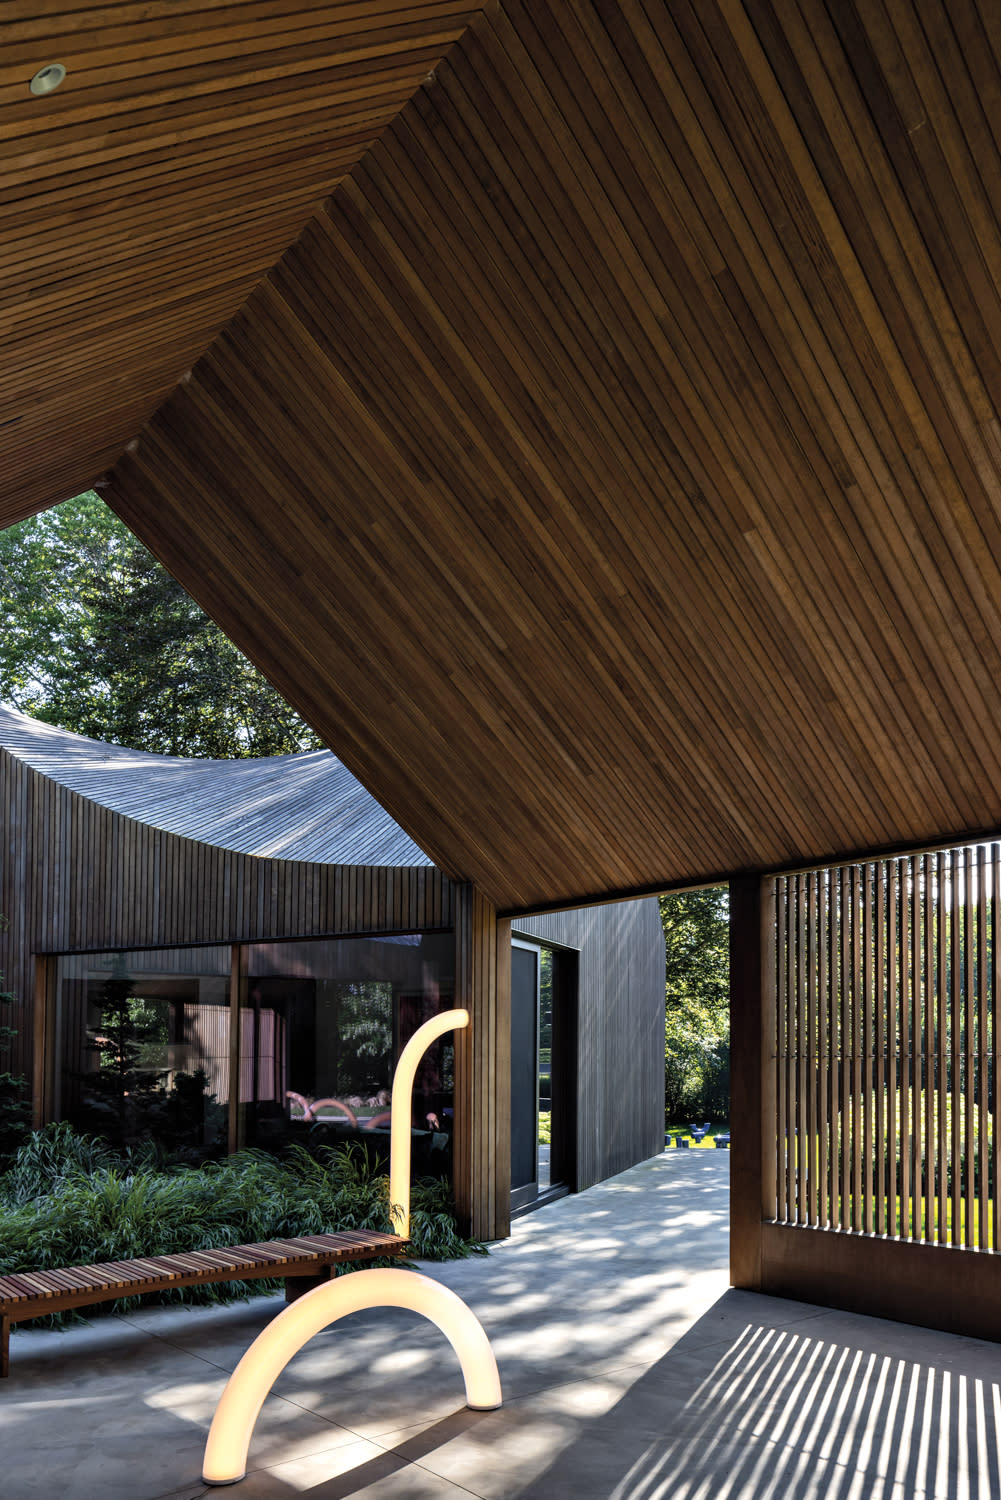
(696, 1071)
(715, 1102)
(69, 1199)
(48, 1160)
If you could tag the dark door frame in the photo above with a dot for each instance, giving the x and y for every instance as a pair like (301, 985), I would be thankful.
(563, 1075)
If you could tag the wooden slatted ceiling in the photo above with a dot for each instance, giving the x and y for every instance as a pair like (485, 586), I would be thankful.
(610, 472)
(141, 202)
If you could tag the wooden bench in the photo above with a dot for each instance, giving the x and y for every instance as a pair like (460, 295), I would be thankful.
(302, 1263)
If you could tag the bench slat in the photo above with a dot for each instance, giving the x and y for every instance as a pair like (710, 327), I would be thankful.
(66, 1281)
(21, 1284)
(24, 1290)
(203, 1260)
(112, 1272)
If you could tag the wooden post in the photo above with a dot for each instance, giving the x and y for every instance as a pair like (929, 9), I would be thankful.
(482, 1152)
(752, 1073)
(237, 989)
(43, 1023)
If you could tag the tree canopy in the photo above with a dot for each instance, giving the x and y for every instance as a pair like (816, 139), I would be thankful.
(696, 940)
(697, 1020)
(100, 639)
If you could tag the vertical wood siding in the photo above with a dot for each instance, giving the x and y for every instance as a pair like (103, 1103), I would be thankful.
(886, 1072)
(620, 1038)
(755, 1180)
(482, 1159)
(76, 876)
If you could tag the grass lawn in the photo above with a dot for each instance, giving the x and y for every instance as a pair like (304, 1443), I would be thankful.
(717, 1127)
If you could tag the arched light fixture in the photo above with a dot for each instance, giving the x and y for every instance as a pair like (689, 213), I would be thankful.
(232, 1427)
(225, 1460)
(47, 79)
(399, 1128)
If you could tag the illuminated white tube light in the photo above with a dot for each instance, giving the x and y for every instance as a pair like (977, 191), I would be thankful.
(403, 1088)
(232, 1427)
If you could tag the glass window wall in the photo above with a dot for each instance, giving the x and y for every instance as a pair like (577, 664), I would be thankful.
(322, 1025)
(142, 1045)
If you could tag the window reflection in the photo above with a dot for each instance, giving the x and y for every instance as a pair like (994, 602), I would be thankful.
(320, 1032)
(142, 1045)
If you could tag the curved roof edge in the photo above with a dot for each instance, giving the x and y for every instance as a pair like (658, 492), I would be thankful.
(305, 807)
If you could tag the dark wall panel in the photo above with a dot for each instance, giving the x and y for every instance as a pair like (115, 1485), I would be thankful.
(620, 1040)
(74, 875)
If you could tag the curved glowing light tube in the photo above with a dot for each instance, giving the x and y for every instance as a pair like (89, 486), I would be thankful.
(232, 1427)
(403, 1088)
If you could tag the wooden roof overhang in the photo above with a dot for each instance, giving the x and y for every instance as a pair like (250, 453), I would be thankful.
(611, 470)
(143, 200)
(307, 808)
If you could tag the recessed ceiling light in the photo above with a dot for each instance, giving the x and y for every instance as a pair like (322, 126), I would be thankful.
(47, 78)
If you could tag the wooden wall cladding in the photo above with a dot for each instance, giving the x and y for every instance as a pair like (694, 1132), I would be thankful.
(935, 1286)
(481, 1171)
(74, 875)
(620, 1031)
(612, 470)
(752, 1073)
(142, 201)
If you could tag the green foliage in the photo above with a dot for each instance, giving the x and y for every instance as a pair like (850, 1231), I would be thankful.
(69, 1199)
(715, 1102)
(697, 1015)
(682, 1076)
(364, 1026)
(100, 639)
(433, 1229)
(123, 1085)
(48, 1160)
(696, 941)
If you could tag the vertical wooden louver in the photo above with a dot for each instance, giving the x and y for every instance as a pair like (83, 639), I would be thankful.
(886, 1079)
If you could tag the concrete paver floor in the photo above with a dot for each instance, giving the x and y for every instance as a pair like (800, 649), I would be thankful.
(630, 1372)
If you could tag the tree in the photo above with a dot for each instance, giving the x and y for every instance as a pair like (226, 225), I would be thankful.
(100, 639)
(697, 1015)
(122, 1092)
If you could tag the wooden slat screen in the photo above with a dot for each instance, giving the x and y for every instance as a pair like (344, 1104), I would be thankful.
(886, 1078)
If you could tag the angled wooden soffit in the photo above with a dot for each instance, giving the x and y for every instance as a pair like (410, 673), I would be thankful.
(144, 198)
(611, 471)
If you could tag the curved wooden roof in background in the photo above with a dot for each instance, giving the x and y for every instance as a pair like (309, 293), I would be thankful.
(301, 807)
(612, 468)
